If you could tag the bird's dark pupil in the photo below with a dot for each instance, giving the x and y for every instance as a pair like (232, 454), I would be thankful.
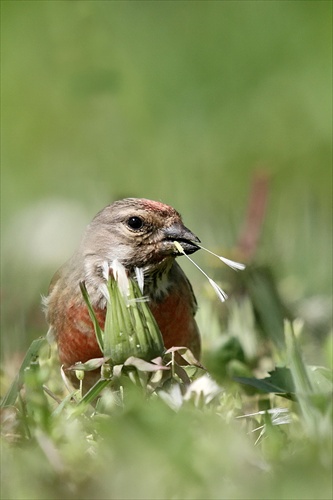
(135, 222)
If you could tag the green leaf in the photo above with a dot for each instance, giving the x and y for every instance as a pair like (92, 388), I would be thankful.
(267, 303)
(30, 357)
(322, 378)
(97, 328)
(93, 392)
(280, 382)
(298, 369)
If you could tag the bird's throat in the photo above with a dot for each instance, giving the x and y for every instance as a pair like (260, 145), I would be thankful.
(157, 281)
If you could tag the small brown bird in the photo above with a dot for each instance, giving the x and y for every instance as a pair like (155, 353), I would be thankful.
(138, 233)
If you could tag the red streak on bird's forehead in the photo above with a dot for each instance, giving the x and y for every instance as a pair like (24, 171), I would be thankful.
(157, 206)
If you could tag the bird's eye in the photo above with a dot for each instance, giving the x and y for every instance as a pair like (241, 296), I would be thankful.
(135, 222)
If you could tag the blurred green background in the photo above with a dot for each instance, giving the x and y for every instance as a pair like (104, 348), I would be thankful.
(175, 101)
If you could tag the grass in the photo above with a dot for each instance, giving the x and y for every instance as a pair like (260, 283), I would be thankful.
(183, 102)
(177, 433)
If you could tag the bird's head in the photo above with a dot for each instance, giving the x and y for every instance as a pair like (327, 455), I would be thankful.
(138, 233)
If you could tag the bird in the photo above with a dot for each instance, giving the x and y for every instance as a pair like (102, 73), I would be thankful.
(138, 233)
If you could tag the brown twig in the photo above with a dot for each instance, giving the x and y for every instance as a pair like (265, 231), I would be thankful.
(255, 216)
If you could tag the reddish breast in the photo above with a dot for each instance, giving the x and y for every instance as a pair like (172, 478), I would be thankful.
(174, 316)
(77, 339)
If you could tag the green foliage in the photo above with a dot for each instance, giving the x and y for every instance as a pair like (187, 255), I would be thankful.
(279, 382)
(30, 357)
(189, 436)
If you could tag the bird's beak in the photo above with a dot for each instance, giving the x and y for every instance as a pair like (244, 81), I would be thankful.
(178, 232)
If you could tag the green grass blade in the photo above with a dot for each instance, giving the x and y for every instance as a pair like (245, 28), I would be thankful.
(92, 394)
(97, 328)
(297, 367)
(31, 356)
